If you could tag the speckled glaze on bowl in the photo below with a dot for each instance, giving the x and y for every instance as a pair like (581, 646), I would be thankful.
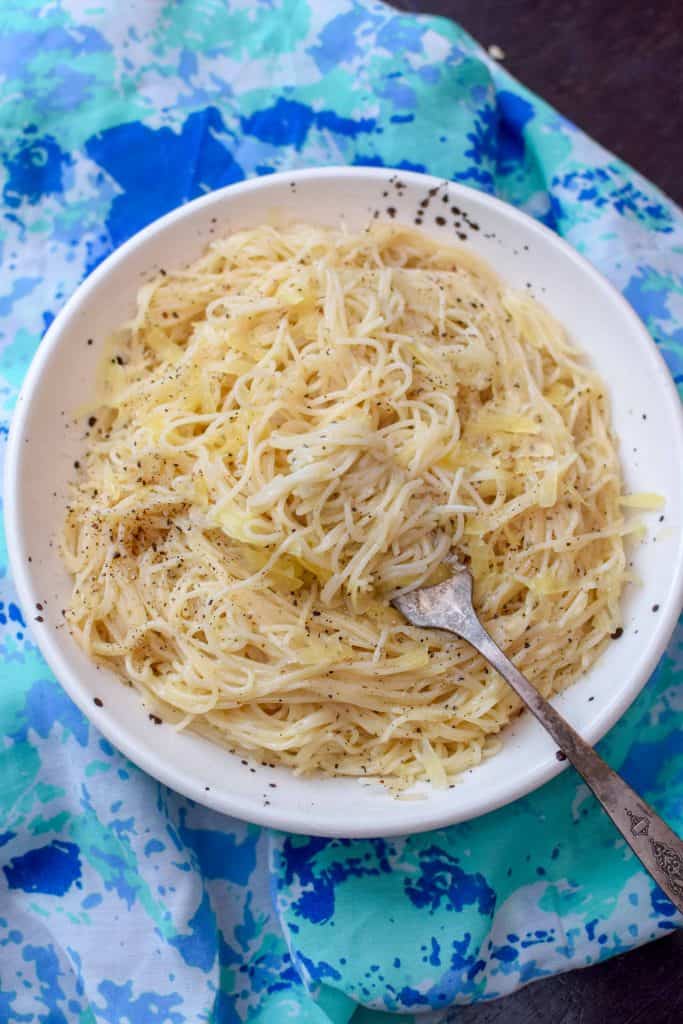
(43, 447)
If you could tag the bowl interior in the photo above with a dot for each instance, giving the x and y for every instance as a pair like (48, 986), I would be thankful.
(45, 442)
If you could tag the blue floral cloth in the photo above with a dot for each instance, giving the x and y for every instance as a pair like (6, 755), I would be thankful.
(120, 900)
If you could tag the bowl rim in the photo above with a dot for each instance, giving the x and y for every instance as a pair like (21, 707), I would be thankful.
(239, 805)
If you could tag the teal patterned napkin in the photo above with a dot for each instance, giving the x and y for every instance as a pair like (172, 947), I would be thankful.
(120, 900)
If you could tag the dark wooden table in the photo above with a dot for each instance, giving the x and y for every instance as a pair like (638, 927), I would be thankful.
(614, 67)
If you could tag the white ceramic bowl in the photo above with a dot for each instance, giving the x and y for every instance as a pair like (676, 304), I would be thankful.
(647, 417)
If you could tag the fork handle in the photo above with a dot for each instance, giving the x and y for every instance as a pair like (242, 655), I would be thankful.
(653, 842)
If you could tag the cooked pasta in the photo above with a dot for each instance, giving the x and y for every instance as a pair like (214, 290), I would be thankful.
(304, 423)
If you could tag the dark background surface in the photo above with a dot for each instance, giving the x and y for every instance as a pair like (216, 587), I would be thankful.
(615, 68)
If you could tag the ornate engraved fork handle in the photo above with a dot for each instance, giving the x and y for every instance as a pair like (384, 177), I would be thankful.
(449, 606)
(659, 849)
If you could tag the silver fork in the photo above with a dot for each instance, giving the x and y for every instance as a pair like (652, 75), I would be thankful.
(449, 606)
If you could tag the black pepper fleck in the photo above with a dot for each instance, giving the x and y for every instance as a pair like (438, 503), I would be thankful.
(98, 702)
